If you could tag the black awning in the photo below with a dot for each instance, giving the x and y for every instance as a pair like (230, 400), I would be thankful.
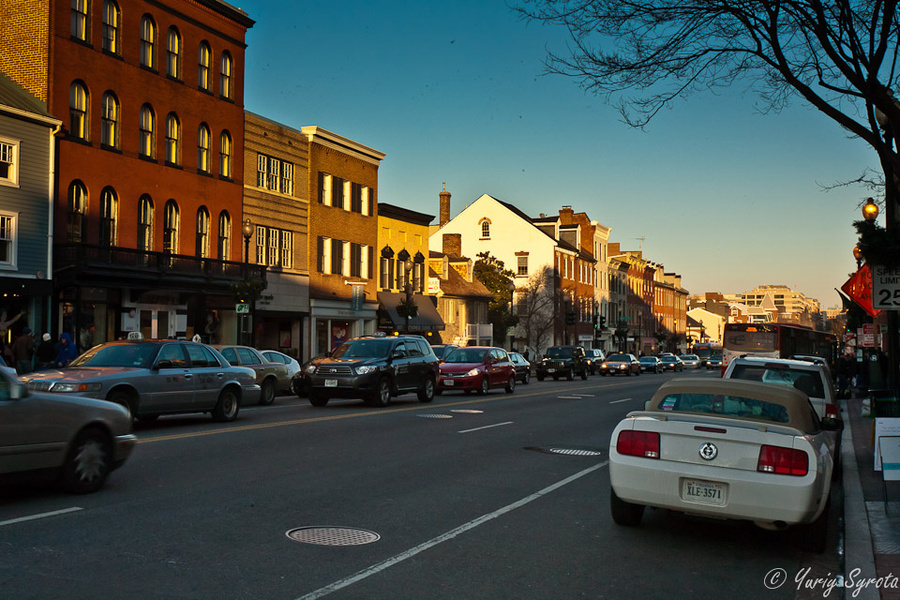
(428, 318)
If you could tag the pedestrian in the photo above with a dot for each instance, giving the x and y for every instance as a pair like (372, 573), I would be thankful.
(23, 352)
(46, 352)
(66, 350)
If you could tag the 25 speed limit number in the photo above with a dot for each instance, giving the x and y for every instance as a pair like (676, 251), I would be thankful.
(885, 288)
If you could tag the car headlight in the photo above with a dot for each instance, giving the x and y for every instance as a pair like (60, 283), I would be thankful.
(311, 369)
(366, 369)
(61, 386)
(473, 372)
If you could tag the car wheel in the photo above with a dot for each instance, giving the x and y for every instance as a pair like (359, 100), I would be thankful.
(298, 387)
(584, 375)
(540, 377)
(88, 462)
(571, 375)
(382, 395)
(318, 399)
(267, 392)
(511, 384)
(813, 536)
(426, 392)
(527, 378)
(227, 407)
(485, 386)
(126, 399)
(625, 513)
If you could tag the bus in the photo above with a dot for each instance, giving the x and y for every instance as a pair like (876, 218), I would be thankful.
(707, 350)
(776, 340)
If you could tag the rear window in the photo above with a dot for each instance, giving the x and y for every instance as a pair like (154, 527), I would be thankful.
(810, 383)
(466, 355)
(560, 352)
(728, 406)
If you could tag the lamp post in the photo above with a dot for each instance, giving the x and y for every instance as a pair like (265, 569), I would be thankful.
(408, 288)
(512, 335)
(858, 255)
(247, 231)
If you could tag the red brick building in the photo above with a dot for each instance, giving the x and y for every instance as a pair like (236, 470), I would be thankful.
(148, 201)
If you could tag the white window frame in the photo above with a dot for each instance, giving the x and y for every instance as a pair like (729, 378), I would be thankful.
(345, 260)
(326, 255)
(9, 237)
(287, 249)
(287, 178)
(327, 182)
(364, 262)
(346, 202)
(366, 192)
(9, 153)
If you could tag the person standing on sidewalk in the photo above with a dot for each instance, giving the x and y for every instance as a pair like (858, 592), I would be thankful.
(46, 352)
(23, 351)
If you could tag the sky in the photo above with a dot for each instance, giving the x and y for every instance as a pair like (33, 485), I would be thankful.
(455, 93)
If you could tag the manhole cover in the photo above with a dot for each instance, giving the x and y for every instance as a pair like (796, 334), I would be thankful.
(468, 411)
(333, 536)
(435, 416)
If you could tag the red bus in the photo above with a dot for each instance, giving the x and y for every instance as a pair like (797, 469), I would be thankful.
(776, 340)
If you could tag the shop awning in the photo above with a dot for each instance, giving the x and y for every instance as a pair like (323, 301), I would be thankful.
(428, 318)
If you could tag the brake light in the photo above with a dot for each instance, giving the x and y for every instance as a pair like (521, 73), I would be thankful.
(783, 461)
(832, 411)
(638, 443)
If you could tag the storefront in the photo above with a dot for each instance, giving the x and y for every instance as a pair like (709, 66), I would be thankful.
(427, 321)
(332, 322)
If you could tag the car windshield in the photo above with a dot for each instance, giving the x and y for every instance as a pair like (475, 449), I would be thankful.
(729, 406)
(648, 359)
(669, 359)
(619, 358)
(364, 349)
(466, 355)
(117, 355)
(807, 382)
(559, 353)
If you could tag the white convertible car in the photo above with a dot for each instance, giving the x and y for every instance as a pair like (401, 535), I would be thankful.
(725, 449)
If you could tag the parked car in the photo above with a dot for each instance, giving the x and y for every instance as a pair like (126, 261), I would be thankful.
(725, 449)
(626, 364)
(153, 378)
(375, 369)
(593, 357)
(714, 362)
(562, 361)
(670, 362)
(271, 376)
(691, 361)
(293, 366)
(77, 440)
(477, 369)
(442, 350)
(523, 367)
(651, 364)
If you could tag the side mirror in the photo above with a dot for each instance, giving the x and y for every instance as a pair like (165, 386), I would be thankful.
(647, 405)
(162, 364)
(396, 354)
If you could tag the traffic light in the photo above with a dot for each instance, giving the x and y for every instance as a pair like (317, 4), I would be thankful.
(595, 321)
(570, 317)
(602, 321)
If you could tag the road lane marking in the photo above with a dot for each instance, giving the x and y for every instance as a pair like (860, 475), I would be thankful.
(377, 568)
(485, 427)
(41, 516)
(622, 400)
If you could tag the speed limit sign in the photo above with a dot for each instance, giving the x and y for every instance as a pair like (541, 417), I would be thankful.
(885, 287)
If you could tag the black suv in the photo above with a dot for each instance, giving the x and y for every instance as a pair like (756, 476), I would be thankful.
(562, 360)
(374, 368)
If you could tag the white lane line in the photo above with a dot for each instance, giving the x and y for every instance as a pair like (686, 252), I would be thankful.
(570, 397)
(485, 427)
(41, 516)
(377, 568)
(622, 400)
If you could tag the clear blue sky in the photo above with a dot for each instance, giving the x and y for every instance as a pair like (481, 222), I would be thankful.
(454, 92)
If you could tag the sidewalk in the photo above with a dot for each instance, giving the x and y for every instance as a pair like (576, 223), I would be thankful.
(871, 534)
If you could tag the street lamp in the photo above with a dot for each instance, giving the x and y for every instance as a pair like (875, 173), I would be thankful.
(512, 335)
(408, 288)
(247, 231)
(870, 211)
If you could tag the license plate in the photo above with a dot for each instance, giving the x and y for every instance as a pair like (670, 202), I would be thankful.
(703, 492)
(551, 370)
(449, 382)
(331, 383)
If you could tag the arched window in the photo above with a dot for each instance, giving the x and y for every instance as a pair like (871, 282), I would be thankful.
(79, 109)
(223, 245)
(170, 228)
(109, 121)
(173, 139)
(202, 246)
(81, 21)
(173, 53)
(148, 42)
(109, 214)
(203, 67)
(225, 149)
(111, 26)
(148, 132)
(76, 230)
(203, 148)
(485, 228)
(145, 224)
(226, 76)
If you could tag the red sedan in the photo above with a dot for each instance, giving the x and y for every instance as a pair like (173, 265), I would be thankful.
(477, 368)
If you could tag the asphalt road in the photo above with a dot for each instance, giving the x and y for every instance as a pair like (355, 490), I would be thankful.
(498, 497)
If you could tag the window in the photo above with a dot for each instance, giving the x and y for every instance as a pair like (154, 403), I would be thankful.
(274, 247)
(8, 222)
(81, 29)
(287, 249)
(77, 210)
(323, 254)
(9, 151)
(148, 42)
(225, 154)
(109, 121)
(79, 102)
(522, 266)
(287, 178)
(148, 132)
(337, 257)
(173, 134)
(203, 148)
(170, 228)
(226, 85)
(173, 54)
(110, 27)
(274, 174)
(202, 246)
(203, 67)
(485, 228)
(223, 244)
(145, 224)
(109, 213)
(325, 183)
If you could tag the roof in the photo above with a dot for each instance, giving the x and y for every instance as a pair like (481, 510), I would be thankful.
(457, 285)
(17, 98)
(392, 211)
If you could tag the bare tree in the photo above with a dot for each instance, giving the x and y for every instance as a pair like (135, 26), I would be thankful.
(536, 306)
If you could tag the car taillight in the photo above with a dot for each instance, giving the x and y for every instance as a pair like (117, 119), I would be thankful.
(638, 443)
(832, 411)
(784, 461)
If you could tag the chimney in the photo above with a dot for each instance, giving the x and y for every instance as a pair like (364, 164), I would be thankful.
(444, 206)
(452, 244)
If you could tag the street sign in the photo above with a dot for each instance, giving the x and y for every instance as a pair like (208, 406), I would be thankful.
(859, 289)
(242, 309)
(885, 287)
